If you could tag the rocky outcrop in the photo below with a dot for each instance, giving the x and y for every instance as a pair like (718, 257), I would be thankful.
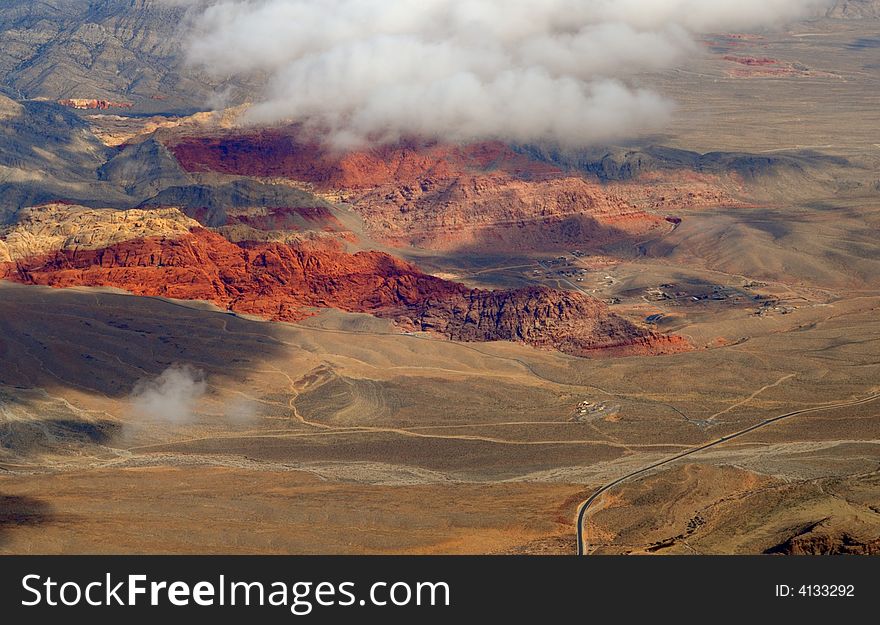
(825, 545)
(283, 282)
(85, 104)
(143, 169)
(485, 195)
(498, 211)
(566, 321)
(828, 537)
(56, 227)
(223, 204)
(494, 197)
(270, 153)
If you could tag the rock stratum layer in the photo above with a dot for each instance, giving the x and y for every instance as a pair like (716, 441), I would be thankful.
(480, 196)
(282, 281)
(87, 104)
(828, 537)
(844, 544)
(45, 229)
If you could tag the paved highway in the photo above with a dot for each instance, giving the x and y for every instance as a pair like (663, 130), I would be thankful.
(585, 506)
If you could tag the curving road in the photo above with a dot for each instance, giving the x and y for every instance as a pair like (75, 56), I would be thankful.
(585, 506)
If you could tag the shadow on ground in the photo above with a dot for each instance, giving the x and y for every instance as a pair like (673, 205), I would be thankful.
(17, 512)
(104, 343)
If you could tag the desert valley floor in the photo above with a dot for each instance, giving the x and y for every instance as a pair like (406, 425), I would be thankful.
(735, 273)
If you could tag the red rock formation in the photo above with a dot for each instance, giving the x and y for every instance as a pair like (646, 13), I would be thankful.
(269, 153)
(281, 281)
(497, 210)
(480, 196)
(78, 103)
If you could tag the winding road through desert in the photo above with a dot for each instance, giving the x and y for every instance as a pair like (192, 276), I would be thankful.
(585, 505)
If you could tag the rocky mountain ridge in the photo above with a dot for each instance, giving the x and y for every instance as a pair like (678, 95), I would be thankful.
(163, 253)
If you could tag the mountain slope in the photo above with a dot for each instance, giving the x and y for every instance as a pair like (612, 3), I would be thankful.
(213, 204)
(46, 153)
(163, 253)
(99, 49)
(143, 169)
(855, 9)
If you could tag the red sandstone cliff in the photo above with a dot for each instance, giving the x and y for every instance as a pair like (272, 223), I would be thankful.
(268, 153)
(281, 282)
(436, 196)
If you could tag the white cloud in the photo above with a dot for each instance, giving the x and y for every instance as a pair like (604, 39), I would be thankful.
(518, 70)
(172, 396)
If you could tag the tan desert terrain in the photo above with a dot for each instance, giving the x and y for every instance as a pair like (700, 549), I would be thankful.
(689, 304)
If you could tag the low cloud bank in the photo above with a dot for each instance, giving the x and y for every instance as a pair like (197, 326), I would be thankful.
(552, 71)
